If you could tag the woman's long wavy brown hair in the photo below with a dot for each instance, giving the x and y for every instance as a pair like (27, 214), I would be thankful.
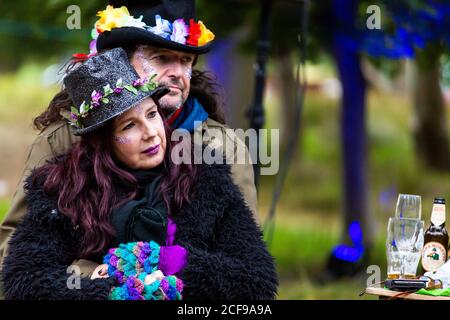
(89, 183)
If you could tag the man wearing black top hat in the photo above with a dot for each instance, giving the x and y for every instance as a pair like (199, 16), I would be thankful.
(160, 37)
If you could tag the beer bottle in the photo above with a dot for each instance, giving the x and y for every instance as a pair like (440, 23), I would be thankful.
(434, 253)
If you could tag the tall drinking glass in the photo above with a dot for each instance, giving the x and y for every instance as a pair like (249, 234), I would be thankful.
(404, 244)
(408, 206)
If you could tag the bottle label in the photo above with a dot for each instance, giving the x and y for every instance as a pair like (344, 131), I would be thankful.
(433, 256)
(438, 214)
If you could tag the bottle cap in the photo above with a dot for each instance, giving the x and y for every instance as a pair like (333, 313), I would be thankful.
(440, 200)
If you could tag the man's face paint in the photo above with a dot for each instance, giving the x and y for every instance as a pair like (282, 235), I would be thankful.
(188, 73)
(173, 69)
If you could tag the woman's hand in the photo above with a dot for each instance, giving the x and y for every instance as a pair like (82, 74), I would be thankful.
(157, 275)
(100, 272)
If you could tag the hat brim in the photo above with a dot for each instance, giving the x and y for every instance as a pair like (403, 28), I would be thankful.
(125, 36)
(156, 94)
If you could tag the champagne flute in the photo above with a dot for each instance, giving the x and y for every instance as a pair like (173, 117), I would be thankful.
(409, 206)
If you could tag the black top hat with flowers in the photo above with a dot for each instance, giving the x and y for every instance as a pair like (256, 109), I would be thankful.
(105, 86)
(168, 24)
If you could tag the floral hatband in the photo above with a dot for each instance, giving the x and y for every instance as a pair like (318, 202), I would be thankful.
(101, 98)
(193, 34)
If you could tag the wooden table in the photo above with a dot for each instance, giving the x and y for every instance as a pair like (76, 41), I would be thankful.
(384, 294)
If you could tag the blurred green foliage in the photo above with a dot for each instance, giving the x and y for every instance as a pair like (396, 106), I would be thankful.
(22, 30)
(23, 95)
(37, 30)
(4, 205)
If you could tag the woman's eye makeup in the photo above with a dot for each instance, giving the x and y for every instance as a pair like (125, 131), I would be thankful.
(150, 115)
(128, 126)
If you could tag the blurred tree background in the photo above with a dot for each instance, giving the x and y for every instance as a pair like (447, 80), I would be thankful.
(374, 121)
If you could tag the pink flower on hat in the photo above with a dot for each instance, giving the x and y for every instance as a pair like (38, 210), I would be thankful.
(96, 96)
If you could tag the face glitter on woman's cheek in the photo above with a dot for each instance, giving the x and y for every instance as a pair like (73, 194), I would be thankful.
(122, 140)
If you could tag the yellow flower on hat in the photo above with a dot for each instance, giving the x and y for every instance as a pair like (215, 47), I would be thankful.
(111, 18)
(206, 35)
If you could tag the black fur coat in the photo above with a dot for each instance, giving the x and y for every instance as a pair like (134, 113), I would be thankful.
(227, 259)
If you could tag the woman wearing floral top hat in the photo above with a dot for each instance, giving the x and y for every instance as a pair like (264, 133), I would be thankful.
(162, 231)
(162, 37)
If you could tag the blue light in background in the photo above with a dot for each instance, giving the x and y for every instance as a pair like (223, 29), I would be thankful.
(355, 252)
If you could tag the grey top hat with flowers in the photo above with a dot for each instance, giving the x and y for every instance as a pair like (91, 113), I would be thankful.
(105, 86)
(168, 24)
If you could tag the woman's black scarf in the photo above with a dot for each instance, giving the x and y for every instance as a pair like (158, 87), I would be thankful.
(145, 217)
